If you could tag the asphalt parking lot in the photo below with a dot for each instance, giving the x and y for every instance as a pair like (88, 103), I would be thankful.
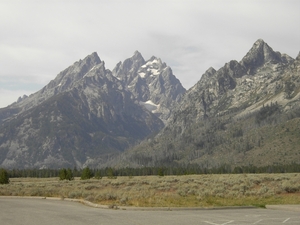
(42, 211)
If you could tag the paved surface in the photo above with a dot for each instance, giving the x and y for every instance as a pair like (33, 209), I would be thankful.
(41, 211)
(295, 208)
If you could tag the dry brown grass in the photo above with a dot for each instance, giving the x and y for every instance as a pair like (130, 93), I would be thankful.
(168, 191)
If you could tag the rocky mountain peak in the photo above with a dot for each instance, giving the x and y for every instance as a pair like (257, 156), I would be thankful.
(259, 42)
(137, 55)
(151, 82)
(157, 62)
(208, 74)
(93, 59)
(80, 68)
(260, 54)
(210, 70)
(65, 80)
(127, 69)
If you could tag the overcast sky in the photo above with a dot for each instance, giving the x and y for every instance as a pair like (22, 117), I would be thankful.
(41, 38)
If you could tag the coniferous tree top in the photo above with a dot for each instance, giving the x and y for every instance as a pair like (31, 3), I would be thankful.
(4, 178)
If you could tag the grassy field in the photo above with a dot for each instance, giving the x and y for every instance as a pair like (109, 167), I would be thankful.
(167, 191)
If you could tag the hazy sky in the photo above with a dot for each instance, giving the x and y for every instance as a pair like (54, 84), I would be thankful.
(41, 38)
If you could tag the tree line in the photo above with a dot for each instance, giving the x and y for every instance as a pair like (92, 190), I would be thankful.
(87, 173)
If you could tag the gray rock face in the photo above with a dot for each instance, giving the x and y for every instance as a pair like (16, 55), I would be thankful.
(65, 80)
(152, 83)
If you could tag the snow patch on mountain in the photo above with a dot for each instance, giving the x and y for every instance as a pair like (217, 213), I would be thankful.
(152, 66)
(155, 61)
(142, 74)
(149, 105)
(154, 72)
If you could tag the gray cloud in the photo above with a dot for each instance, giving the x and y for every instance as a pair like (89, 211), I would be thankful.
(41, 38)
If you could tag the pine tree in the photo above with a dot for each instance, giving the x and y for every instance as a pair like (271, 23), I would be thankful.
(86, 174)
(69, 175)
(110, 173)
(66, 174)
(4, 179)
(63, 174)
(160, 172)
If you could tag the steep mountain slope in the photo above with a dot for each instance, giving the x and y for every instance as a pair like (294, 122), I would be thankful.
(64, 81)
(245, 113)
(151, 82)
(82, 117)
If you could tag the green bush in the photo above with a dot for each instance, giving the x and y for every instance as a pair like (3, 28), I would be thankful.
(86, 174)
(4, 179)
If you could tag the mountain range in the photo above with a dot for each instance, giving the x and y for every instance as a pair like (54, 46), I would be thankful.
(88, 113)
(245, 113)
